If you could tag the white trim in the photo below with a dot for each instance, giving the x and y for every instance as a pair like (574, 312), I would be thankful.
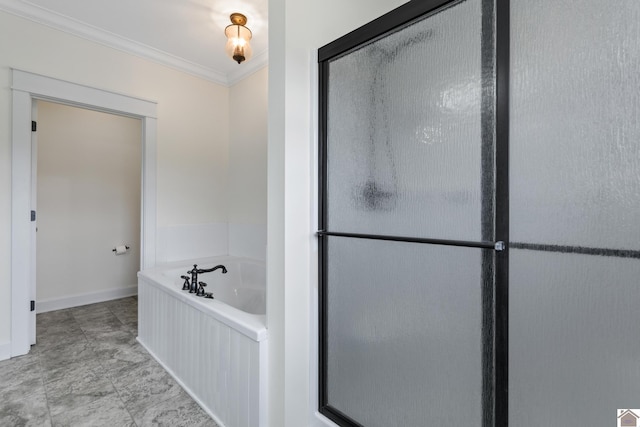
(5, 350)
(149, 185)
(84, 299)
(81, 29)
(322, 421)
(49, 88)
(33, 224)
(20, 222)
(27, 87)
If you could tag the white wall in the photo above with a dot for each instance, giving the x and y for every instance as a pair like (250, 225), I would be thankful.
(192, 126)
(89, 175)
(248, 166)
(245, 232)
(292, 283)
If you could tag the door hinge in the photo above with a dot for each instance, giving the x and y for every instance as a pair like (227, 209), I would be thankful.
(33, 216)
(34, 126)
(33, 305)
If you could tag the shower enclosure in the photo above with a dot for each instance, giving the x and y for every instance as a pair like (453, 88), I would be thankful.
(479, 227)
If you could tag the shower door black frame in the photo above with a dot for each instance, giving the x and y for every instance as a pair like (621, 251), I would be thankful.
(495, 210)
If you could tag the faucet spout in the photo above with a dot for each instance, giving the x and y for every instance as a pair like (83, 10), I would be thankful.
(209, 270)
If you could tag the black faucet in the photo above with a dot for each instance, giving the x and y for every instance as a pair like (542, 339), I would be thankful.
(193, 288)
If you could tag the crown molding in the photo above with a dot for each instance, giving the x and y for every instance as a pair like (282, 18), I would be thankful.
(81, 29)
(249, 67)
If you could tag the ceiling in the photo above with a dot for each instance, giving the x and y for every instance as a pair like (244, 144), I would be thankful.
(184, 34)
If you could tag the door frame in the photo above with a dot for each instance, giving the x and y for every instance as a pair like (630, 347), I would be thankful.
(27, 87)
(34, 224)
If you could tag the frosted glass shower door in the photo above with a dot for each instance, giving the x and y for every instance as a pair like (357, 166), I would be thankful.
(407, 212)
(574, 317)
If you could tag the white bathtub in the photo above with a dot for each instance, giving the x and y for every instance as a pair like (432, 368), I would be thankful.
(216, 349)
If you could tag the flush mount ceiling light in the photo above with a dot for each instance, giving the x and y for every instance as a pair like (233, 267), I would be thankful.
(238, 36)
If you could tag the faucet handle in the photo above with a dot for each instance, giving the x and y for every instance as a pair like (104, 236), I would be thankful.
(185, 286)
(201, 292)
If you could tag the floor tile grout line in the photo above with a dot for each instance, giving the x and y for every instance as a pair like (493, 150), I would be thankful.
(98, 361)
(44, 385)
(51, 417)
(104, 370)
(112, 383)
(123, 402)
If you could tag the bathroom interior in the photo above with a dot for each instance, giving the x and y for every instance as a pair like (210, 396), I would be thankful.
(491, 260)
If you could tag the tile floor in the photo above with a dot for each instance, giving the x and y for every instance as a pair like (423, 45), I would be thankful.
(87, 369)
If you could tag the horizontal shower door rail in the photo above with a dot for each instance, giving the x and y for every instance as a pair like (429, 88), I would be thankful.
(498, 246)
(583, 250)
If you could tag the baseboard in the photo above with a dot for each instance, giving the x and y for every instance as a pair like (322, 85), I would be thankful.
(43, 306)
(5, 351)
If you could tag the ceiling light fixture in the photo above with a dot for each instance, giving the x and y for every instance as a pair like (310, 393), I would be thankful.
(238, 47)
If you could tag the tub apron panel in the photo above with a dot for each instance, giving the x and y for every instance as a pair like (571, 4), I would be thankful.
(222, 368)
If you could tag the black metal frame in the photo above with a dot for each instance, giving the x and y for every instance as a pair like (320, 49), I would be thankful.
(495, 213)
(583, 250)
(396, 18)
(501, 297)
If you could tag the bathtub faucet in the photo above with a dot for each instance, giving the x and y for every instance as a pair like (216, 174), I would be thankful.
(194, 275)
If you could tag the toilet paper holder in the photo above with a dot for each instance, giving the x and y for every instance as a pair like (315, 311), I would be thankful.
(115, 249)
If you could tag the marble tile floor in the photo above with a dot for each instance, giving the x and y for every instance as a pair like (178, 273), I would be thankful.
(87, 369)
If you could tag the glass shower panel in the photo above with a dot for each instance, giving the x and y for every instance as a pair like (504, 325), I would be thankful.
(575, 123)
(404, 130)
(404, 333)
(574, 346)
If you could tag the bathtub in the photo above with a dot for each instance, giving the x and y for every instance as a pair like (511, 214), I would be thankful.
(215, 348)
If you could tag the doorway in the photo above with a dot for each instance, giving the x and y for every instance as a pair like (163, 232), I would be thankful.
(27, 87)
(87, 180)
